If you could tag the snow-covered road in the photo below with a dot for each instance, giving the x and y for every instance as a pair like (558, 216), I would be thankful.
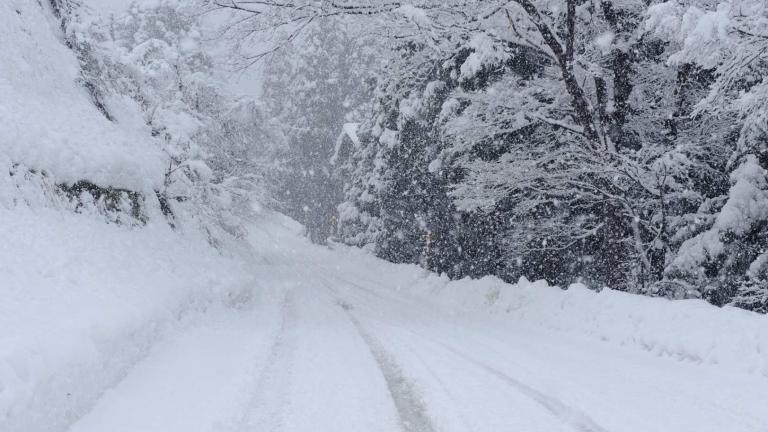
(330, 344)
(117, 315)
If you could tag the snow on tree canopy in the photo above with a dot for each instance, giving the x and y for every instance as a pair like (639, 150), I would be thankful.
(53, 123)
(485, 52)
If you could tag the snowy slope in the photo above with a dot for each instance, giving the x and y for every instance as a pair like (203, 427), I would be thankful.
(82, 300)
(48, 120)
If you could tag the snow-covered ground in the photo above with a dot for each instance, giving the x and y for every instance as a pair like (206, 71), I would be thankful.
(48, 120)
(120, 328)
(336, 340)
(81, 301)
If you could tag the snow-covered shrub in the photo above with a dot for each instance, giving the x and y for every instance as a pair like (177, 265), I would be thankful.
(150, 66)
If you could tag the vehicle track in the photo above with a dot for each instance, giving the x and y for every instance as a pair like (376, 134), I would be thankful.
(579, 420)
(575, 418)
(268, 403)
(411, 409)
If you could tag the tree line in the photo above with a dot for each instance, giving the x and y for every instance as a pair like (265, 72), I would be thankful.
(613, 143)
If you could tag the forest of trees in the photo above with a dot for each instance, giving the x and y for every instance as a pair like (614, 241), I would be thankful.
(619, 143)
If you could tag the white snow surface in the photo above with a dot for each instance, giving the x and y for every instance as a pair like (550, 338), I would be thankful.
(48, 120)
(350, 129)
(81, 301)
(154, 337)
(484, 53)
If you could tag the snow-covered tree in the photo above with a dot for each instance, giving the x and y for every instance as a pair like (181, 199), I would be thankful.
(614, 142)
(313, 90)
(727, 259)
(152, 60)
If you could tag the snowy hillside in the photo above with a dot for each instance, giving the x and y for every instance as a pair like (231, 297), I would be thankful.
(149, 284)
(91, 272)
(50, 120)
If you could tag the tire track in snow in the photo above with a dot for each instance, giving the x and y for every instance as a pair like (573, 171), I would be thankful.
(411, 410)
(410, 407)
(444, 389)
(266, 410)
(577, 419)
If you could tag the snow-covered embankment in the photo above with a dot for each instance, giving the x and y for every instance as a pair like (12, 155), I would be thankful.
(82, 299)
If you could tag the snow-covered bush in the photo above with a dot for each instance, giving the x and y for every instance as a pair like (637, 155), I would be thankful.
(151, 63)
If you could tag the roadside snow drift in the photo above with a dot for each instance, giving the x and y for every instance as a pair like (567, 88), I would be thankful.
(81, 301)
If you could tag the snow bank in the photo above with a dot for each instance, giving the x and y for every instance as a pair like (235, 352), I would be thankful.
(48, 119)
(689, 330)
(83, 300)
(686, 330)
